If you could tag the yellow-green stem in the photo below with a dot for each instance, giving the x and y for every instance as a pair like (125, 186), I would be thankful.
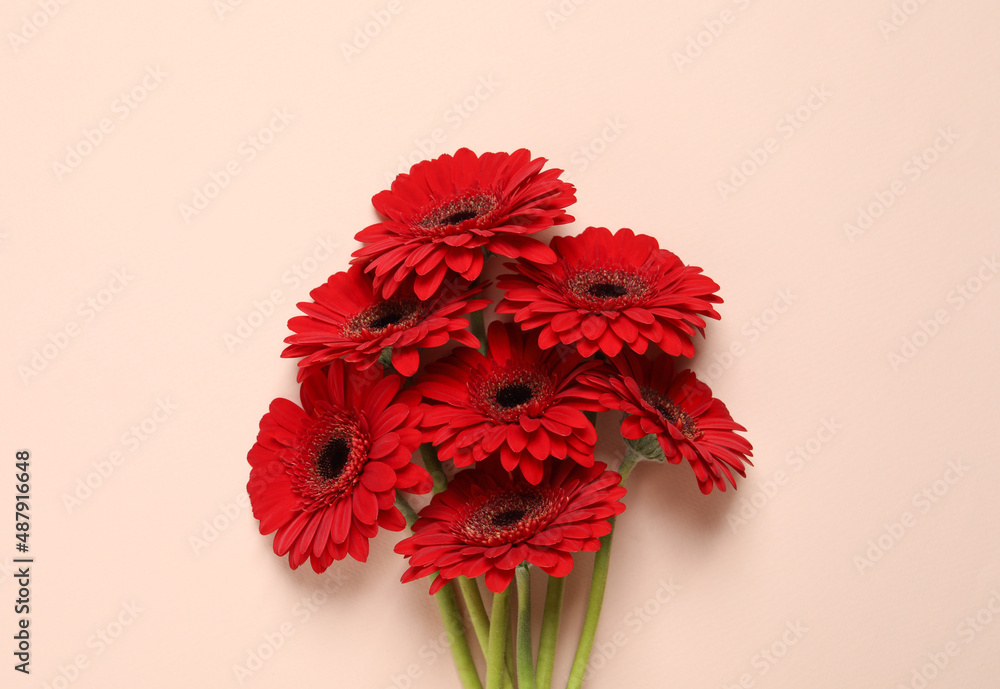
(433, 466)
(477, 326)
(455, 629)
(481, 623)
(598, 582)
(550, 632)
(496, 650)
(525, 664)
(451, 616)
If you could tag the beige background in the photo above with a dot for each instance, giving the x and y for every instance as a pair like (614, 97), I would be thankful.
(869, 532)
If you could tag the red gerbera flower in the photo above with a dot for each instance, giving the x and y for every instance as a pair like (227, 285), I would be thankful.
(442, 214)
(679, 409)
(488, 522)
(325, 475)
(347, 321)
(608, 291)
(519, 400)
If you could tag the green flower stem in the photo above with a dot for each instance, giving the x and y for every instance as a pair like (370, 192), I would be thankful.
(631, 458)
(550, 631)
(508, 678)
(471, 596)
(433, 466)
(598, 582)
(409, 514)
(385, 358)
(451, 616)
(478, 328)
(481, 623)
(477, 610)
(525, 665)
(498, 639)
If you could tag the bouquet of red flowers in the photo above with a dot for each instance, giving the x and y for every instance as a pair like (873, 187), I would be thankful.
(597, 321)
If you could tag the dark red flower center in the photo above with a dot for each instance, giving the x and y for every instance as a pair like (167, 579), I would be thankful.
(601, 288)
(514, 395)
(443, 219)
(508, 518)
(334, 453)
(672, 413)
(333, 458)
(606, 290)
(381, 316)
(508, 515)
(505, 393)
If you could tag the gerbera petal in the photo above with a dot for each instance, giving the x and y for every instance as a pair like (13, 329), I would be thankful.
(456, 204)
(681, 413)
(497, 580)
(488, 521)
(517, 439)
(364, 503)
(378, 477)
(519, 400)
(608, 291)
(322, 479)
(347, 319)
(406, 360)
